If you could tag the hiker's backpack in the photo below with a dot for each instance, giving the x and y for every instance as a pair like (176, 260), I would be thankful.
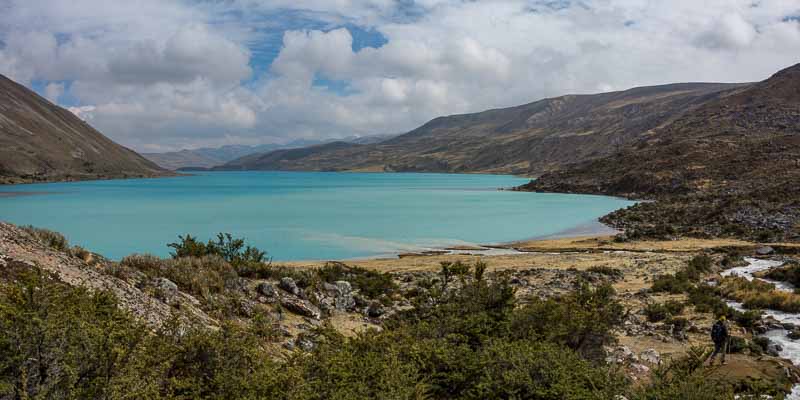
(717, 332)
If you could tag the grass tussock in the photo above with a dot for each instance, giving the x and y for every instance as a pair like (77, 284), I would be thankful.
(757, 294)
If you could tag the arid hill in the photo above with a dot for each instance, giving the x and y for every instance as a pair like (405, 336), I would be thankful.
(732, 166)
(40, 141)
(528, 139)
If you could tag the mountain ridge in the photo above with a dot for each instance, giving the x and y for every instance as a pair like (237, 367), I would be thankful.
(41, 142)
(529, 139)
(730, 168)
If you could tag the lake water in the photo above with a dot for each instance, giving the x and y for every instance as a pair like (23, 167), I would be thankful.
(300, 215)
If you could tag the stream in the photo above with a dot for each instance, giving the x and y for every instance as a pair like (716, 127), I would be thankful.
(790, 348)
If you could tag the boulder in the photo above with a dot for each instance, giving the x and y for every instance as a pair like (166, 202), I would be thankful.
(301, 307)
(266, 290)
(289, 285)
(344, 299)
(305, 343)
(620, 355)
(765, 250)
(166, 285)
(774, 349)
(650, 356)
(167, 290)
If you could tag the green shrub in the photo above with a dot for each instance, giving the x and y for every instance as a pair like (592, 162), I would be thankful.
(700, 264)
(658, 312)
(248, 261)
(61, 342)
(674, 284)
(540, 370)
(581, 320)
(684, 279)
(707, 299)
(683, 378)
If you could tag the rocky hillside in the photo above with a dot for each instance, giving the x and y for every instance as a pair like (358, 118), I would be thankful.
(40, 141)
(528, 139)
(730, 167)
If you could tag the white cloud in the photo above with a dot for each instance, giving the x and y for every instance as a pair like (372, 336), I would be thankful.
(53, 91)
(159, 74)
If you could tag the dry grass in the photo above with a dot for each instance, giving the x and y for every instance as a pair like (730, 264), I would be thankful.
(607, 243)
(759, 295)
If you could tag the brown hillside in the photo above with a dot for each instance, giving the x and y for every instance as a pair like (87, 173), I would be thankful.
(40, 141)
(528, 139)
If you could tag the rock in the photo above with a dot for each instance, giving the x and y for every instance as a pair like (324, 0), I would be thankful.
(306, 344)
(289, 345)
(620, 355)
(166, 290)
(765, 250)
(329, 287)
(774, 349)
(301, 307)
(794, 335)
(289, 285)
(375, 310)
(166, 285)
(266, 289)
(650, 356)
(640, 368)
(344, 299)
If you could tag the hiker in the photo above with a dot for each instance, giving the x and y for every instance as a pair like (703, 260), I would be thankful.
(719, 334)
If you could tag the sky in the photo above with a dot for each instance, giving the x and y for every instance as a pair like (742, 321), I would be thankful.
(160, 75)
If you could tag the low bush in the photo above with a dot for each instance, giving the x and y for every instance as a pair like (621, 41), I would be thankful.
(606, 270)
(683, 378)
(247, 260)
(673, 284)
(202, 276)
(686, 278)
(54, 240)
(757, 294)
(656, 312)
(580, 320)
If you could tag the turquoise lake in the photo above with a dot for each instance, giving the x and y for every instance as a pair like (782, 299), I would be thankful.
(300, 215)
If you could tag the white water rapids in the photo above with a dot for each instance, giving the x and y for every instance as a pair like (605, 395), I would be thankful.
(790, 348)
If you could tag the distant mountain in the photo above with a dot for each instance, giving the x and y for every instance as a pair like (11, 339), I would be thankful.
(40, 141)
(211, 157)
(730, 167)
(530, 139)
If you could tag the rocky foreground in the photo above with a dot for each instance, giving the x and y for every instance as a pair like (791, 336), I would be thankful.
(667, 309)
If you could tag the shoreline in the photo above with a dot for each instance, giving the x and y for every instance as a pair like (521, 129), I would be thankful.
(22, 194)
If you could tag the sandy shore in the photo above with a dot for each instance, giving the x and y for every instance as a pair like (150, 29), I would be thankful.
(575, 252)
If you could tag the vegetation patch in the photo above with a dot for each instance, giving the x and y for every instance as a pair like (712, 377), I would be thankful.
(656, 312)
(758, 294)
